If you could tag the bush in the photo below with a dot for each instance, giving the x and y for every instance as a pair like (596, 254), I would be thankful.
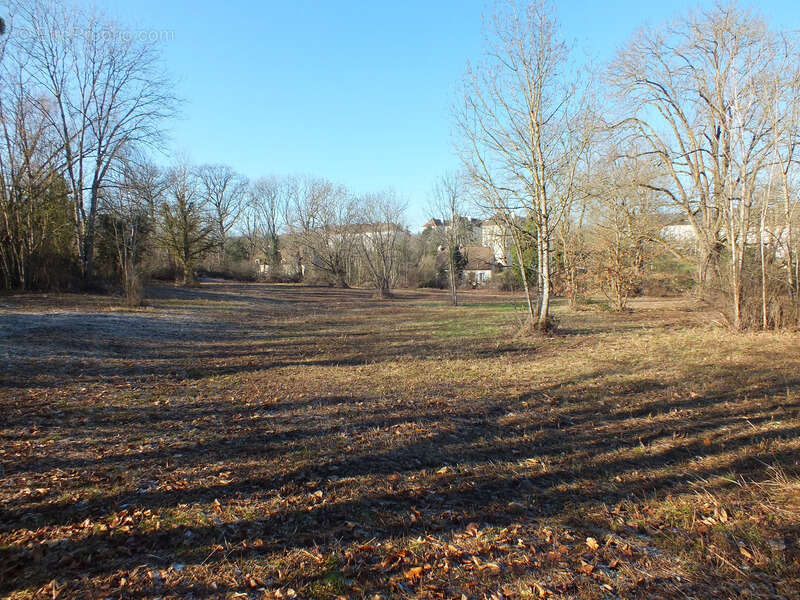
(279, 277)
(507, 280)
(668, 276)
(783, 310)
(134, 289)
(426, 275)
(165, 271)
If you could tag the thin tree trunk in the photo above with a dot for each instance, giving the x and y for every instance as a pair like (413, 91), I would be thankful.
(763, 257)
(452, 269)
(736, 279)
(539, 261)
(544, 269)
(791, 274)
(524, 274)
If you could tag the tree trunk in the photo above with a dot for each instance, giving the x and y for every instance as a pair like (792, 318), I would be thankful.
(384, 290)
(736, 285)
(88, 253)
(539, 259)
(452, 271)
(791, 273)
(340, 280)
(544, 268)
(524, 273)
(763, 273)
(188, 276)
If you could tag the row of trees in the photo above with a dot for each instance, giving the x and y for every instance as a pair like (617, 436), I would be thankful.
(287, 227)
(82, 105)
(698, 118)
(293, 228)
(77, 96)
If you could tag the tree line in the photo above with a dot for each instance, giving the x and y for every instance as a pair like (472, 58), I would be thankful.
(82, 107)
(78, 99)
(586, 167)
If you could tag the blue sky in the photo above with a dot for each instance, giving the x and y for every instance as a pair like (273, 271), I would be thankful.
(355, 91)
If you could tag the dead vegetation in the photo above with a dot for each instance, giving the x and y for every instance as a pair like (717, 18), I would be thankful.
(258, 441)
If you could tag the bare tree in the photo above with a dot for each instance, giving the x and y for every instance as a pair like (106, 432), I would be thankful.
(32, 193)
(625, 225)
(187, 231)
(379, 233)
(107, 92)
(573, 252)
(697, 95)
(447, 204)
(126, 208)
(150, 182)
(266, 208)
(322, 218)
(522, 126)
(224, 193)
(783, 94)
(505, 208)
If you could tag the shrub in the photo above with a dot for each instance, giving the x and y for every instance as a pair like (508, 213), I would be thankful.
(507, 280)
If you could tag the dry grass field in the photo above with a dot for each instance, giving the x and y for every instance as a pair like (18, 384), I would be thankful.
(254, 441)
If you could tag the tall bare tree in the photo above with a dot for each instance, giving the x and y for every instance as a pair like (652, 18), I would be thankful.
(322, 218)
(107, 92)
(379, 233)
(506, 209)
(783, 94)
(447, 205)
(224, 193)
(697, 94)
(266, 209)
(127, 209)
(522, 123)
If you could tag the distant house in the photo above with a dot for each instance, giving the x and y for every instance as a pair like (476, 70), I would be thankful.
(479, 265)
(432, 224)
(492, 232)
(496, 235)
(290, 265)
(470, 225)
(679, 234)
(683, 236)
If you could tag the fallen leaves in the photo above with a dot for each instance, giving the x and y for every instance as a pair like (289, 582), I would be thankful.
(492, 567)
(281, 458)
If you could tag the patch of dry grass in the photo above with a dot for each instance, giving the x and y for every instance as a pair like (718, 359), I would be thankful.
(279, 441)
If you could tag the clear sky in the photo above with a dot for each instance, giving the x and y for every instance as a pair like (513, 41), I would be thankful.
(356, 91)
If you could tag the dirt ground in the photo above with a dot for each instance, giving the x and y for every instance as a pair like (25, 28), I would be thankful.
(257, 441)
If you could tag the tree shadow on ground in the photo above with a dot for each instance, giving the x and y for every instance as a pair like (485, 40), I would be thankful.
(325, 473)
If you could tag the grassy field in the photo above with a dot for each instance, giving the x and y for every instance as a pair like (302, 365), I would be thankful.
(253, 441)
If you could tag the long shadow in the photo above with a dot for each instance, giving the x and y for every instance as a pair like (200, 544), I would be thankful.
(476, 441)
(451, 503)
(479, 459)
